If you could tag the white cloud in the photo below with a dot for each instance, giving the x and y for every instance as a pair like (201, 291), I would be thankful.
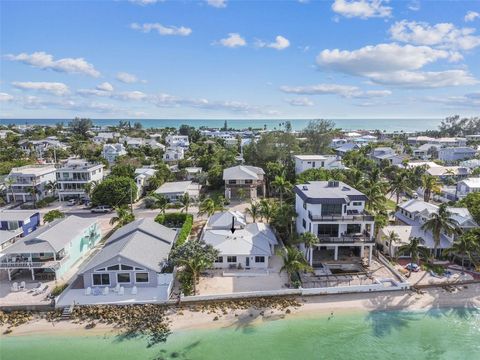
(442, 35)
(232, 41)
(280, 43)
(54, 88)
(217, 3)
(162, 29)
(471, 16)
(126, 78)
(362, 9)
(380, 58)
(4, 97)
(130, 95)
(466, 101)
(414, 5)
(145, 2)
(420, 79)
(43, 60)
(106, 86)
(300, 102)
(346, 91)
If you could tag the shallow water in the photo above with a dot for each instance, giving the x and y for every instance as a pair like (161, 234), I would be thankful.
(438, 334)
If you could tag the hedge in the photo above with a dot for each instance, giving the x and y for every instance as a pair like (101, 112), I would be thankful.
(177, 220)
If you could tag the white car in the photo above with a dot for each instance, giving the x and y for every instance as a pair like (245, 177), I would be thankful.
(101, 209)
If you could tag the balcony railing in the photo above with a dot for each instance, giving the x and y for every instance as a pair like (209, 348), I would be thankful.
(55, 265)
(345, 239)
(339, 218)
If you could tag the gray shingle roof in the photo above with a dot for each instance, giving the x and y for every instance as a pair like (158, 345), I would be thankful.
(143, 241)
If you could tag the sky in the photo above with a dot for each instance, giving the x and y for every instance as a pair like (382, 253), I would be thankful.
(221, 59)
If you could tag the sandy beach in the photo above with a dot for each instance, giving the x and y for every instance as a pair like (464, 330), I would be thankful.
(187, 319)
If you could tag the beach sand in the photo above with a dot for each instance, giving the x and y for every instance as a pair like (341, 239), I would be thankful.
(463, 296)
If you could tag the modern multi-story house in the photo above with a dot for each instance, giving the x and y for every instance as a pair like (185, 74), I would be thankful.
(50, 251)
(453, 154)
(335, 213)
(73, 177)
(467, 186)
(142, 176)
(445, 141)
(112, 151)
(306, 162)
(16, 223)
(29, 177)
(250, 246)
(173, 154)
(381, 154)
(416, 212)
(177, 140)
(245, 177)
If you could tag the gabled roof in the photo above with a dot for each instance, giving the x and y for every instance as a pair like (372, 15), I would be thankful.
(242, 172)
(53, 236)
(143, 241)
(223, 220)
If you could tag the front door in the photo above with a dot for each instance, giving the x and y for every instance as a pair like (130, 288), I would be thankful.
(247, 262)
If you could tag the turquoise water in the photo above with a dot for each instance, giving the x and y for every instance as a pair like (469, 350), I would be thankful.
(297, 124)
(440, 334)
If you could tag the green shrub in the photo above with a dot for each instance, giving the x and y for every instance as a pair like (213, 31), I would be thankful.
(45, 201)
(57, 290)
(177, 220)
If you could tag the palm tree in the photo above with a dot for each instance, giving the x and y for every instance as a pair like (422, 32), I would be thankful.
(124, 216)
(282, 186)
(392, 238)
(209, 207)
(158, 201)
(310, 240)
(293, 261)
(33, 191)
(399, 185)
(466, 246)
(185, 200)
(430, 185)
(9, 184)
(376, 197)
(89, 187)
(267, 209)
(415, 250)
(254, 211)
(441, 222)
(52, 186)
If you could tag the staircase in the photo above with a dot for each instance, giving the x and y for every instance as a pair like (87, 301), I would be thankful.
(67, 312)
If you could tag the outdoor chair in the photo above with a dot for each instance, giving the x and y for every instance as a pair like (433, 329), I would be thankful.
(121, 291)
(134, 290)
(22, 285)
(106, 290)
(88, 291)
(14, 287)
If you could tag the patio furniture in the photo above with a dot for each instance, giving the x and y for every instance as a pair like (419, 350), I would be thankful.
(134, 290)
(40, 289)
(14, 287)
(117, 288)
(22, 285)
(96, 291)
(106, 290)
(121, 291)
(88, 291)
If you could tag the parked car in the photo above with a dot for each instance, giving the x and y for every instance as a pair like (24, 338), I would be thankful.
(71, 202)
(101, 209)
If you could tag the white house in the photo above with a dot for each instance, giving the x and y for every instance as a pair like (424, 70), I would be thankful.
(174, 154)
(444, 172)
(38, 147)
(250, 246)
(248, 178)
(73, 176)
(174, 191)
(103, 137)
(142, 176)
(27, 177)
(112, 151)
(177, 140)
(335, 213)
(452, 154)
(385, 153)
(426, 151)
(416, 212)
(306, 162)
(467, 186)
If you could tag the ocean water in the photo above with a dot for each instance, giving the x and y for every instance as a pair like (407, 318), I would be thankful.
(406, 125)
(449, 334)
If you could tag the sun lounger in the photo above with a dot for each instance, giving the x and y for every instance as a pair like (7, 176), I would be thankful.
(41, 289)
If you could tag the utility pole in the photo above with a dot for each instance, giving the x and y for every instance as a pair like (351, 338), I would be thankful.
(131, 200)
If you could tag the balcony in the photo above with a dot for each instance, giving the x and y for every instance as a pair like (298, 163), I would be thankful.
(51, 264)
(341, 218)
(346, 239)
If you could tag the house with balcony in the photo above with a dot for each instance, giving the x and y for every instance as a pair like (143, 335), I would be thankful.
(74, 175)
(244, 178)
(327, 162)
(50, 251)
(111, 152)
(416, 212)
(25, 220)
(38, 147)
(177, 141)
(142, 176)
(453, 154)
(29, 177)
(382, 154)
(335, 213)
(467, 186)
(174, 154)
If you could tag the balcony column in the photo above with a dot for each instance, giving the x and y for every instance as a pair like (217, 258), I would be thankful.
(33, 274)
(362, 251)
(370, 255)
(310, 253)
(335, 254)
(9, 275)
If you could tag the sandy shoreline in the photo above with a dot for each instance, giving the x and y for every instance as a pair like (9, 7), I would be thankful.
(311, 306)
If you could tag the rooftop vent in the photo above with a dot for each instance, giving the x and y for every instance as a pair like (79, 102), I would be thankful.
(333, 183)
(305, 187)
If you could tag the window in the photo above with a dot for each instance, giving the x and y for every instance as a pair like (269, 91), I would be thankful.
(219, 259)
(357, 203)
(313, 164)
(305, 205)
(248, 181)
(231, 259)
(123, 277)
(232, 182)
(101, 269)
(126, 267)
(304, 223)
(331, 209)
(13, 225)
(328, 230)
(354, 228)
(114, 267)
(141, 277)
(139, 268)
(101, 279)
(259, 259)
